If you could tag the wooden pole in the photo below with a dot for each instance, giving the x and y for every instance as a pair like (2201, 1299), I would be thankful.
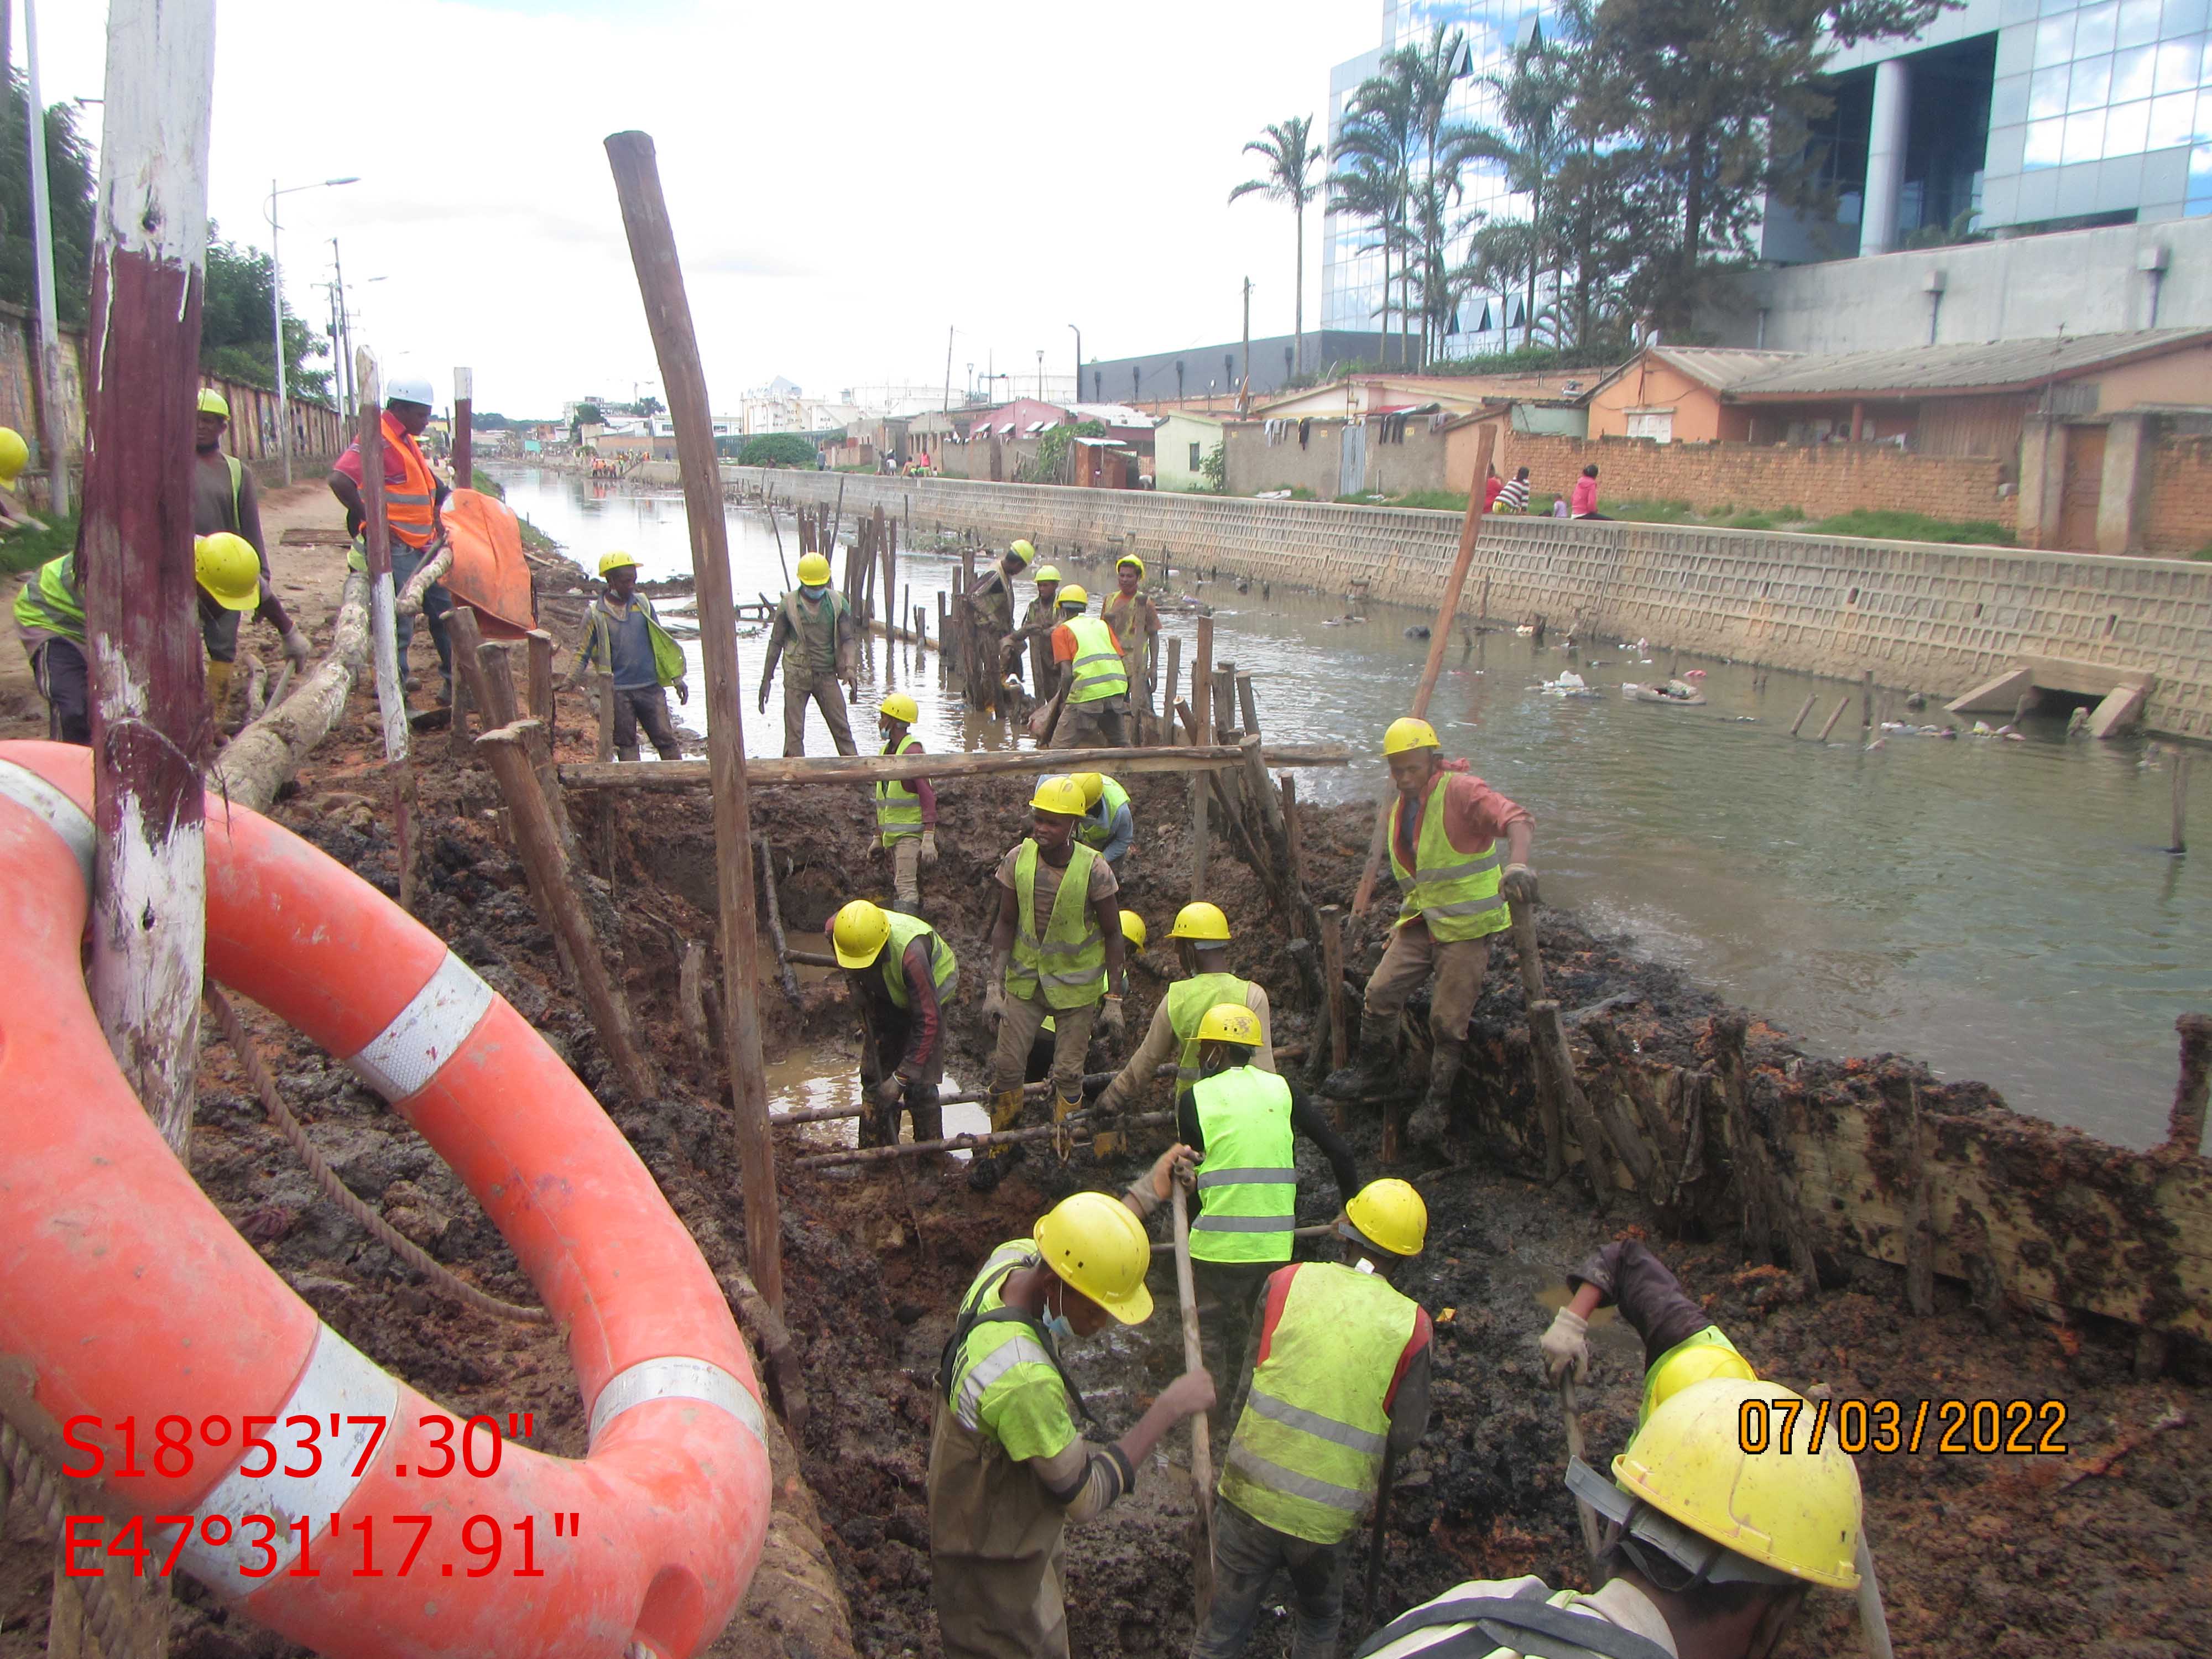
(151, 726)
(2184, 1119)
(1804, 709)
(668, 312)
(1202, 689)
(1454, 586)
(45, 349)
(2179, 844)
(1842, 703)
(603, 747)
(1866, 700)
(538, 841)
(1571, 1407)
(1201, 1449)
(376, 536)
(540, 646)
(1531, 961)
(962, 1143)
(1168, 689)
(775, 909)
(809, 769)
(464, 452)
(1332, 978)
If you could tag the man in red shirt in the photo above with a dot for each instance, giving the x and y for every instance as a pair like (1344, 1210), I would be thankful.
(1448, 831)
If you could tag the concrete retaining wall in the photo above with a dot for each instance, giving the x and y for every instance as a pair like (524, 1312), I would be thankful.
(1924, 617)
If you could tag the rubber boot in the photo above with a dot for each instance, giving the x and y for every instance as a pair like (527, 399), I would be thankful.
(218, 685)
(1063, 1138)
(1373, 1070)
(628, 754)
(1431, 1123)
(985, 1167)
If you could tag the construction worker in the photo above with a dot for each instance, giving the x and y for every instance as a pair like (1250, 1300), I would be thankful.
(1712, 1549)
(1008, 1468)
(1243, 1122)
(50, 622)
(991, 604)
(1093, 698)
(14, 456)
(906, 811)
(227, 502)
(1056, 953)
(1136, 623)
(1339, 1389)
(1449, 832)
(623, 637)
(412, 495)
(815, 627)
(1034, 635)
(1681, 1346)
(230, 582)
(1135, 936)
(1201, 935)
(1108, 828)
(901, 973)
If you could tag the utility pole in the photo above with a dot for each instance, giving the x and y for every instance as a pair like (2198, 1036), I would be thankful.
(1244, 391)
(948, 369)
(46, 355)
(1039, 375)
(276, 314)
(1078, 363)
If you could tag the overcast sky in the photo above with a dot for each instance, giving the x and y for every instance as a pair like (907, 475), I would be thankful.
(847, 180)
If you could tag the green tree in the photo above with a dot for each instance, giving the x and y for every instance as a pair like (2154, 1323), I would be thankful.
(1530, 142)
(236, 328)
(69, 192)
(1213, 467)
(1374, 162)
(1291, 156)
(590, 415)
(778, 449)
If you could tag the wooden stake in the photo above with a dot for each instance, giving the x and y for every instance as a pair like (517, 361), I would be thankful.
(1201, 681)
(2184, 1121)
(540, 647)
(1919, 1226)
(767, 860)
(1866, 700)
(1454, 586)
(256, 763)
(1804, 709)
(1202, 1451)
(1168, 698)
(847, 769)
(376, 535)
(1248, 705)
(1332, 979)
(506, 749)
(668, 312)
(1842, 703)
(962, 1143)
(1549, 1100)
(2179, 844)
(605, 748)
(465, 403)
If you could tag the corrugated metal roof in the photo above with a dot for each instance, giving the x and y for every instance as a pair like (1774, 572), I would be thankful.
(1723, 366)
(1994, 364)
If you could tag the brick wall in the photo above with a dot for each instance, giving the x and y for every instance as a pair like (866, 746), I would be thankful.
(1825, 481)
(1923, 617)
(2180, 516)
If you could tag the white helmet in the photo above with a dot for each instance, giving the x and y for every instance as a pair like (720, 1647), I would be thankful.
(410, 389)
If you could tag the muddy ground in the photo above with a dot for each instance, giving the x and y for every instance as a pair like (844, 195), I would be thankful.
(2107, 1551)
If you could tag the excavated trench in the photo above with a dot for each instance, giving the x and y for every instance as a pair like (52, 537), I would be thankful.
(2107, 1551)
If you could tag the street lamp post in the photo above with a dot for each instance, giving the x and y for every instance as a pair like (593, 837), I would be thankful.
(1078, 363)
(277, 309)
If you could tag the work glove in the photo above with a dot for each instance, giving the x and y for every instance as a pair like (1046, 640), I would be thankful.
(296, 648)
(1565, 1347)
(994, 1002)
(889, 1091)
(682, 692)
(929, 846)
(1519, 885)
(763, 698)
(1109, 1016)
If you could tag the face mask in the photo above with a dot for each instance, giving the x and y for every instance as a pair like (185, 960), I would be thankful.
(817, 595)
(1056, 1326)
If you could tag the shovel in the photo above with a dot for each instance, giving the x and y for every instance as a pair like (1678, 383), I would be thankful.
(1201, 1449)
(1572, 1406)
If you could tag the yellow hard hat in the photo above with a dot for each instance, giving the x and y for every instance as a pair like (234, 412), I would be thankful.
(1230, 1022)
(1198, 920)
(228, 569)
(1092, 784)
(1098, 1248)
(14, 456)
(1409, 733)
(616, 561)
(1389, 1215)
(1072, 593)
(1047, 573)
(1059, 794)
(859, 933)
(1689, 1365)
(1787, 1506)
(1134, 929)
(214, 403)
(813, 570)
(1023, 551)
(1131, 558)
(898, 706)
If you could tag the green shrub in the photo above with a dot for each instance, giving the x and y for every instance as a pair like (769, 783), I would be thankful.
(1895, 525)
(485, 485)
(1214, 469)
(778, 449)
(29, 549)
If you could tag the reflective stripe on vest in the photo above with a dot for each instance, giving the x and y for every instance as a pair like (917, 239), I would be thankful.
(905, 930)
(1098, 831)
(999, 1355)
(1250, 1176)
(49, 601)
(1308, 1451)
(1099, 672)
(411, 507)
(1456, 895)
(898, 808)
(1188, 1002)
(1070, 959)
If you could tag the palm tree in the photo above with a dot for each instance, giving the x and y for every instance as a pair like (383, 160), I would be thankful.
(1290, 155)
(1374, 153)
(1405, 109)
(1531, 143)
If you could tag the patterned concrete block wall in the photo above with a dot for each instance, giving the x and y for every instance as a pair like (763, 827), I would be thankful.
(1923, 617)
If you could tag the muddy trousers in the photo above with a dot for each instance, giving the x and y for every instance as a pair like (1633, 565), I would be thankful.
(905, 855)
(892, 1034)
(1101, 725)
(1458, 965)
(1247, 1553)
(58, 668)
(1070, 1042)
(646, 706)
(827, 695)
(437, 606)
(1228, 1295)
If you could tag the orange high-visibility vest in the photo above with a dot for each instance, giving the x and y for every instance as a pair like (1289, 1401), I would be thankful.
(411, 507)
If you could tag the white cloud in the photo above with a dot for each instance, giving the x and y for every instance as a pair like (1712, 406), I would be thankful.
(846, 181)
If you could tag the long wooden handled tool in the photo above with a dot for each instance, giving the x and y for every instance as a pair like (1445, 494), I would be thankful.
(1201, 1449)
(1376, 1535)
(1874, 1623)
(1572, 1406)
